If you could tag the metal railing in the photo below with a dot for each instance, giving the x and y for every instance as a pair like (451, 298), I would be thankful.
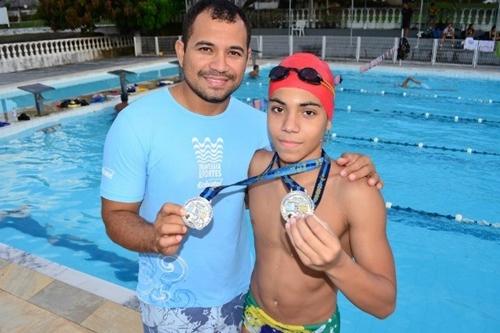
(359, 49)
(155, 45)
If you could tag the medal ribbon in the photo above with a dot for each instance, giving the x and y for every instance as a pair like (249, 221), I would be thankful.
(319, 186)
(210, 192)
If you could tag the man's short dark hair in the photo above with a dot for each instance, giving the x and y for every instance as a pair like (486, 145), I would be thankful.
(223, 10)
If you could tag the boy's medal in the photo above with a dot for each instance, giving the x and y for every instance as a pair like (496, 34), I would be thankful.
(297, 202)
(199, 211)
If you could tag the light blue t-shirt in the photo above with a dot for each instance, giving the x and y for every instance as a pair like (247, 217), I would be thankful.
(157, 151)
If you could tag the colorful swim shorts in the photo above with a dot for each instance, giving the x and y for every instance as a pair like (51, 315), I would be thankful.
(256, 320)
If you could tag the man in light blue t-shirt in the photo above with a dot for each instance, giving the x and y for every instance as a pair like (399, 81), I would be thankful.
(166, 148)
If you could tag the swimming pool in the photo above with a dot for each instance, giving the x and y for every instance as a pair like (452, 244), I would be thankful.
(447, 271)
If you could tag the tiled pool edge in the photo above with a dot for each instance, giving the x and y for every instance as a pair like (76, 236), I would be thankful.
(83, 281)
(52, 119)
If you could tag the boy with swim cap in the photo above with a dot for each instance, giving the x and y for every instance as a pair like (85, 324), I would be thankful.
(315, 233)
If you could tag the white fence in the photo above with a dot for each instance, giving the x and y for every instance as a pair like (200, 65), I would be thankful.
(361, 18)
(47, 53)
(390, 18)
(359, 49)
(369, 18)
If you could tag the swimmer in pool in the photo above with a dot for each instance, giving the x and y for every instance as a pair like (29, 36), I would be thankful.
(407, 81)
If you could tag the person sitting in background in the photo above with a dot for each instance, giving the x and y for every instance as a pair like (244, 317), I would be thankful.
(448, 33)
(493, 34)
(437, 30)
(255, 72)
(470, 31)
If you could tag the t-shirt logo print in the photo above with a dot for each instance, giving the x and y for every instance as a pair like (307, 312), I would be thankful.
(209, 157)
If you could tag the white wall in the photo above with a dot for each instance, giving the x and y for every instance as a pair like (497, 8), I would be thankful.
(4, 17)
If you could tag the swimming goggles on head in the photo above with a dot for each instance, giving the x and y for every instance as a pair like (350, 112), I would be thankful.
(306, 74)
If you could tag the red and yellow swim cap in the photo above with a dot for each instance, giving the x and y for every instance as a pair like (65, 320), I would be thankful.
(323, 89)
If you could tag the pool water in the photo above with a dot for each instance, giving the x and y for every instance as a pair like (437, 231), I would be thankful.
(447, 279)
(55, 173)
(447, 271)
(434, 180)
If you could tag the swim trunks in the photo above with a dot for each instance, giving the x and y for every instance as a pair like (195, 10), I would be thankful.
(256, 320)
(226, 318)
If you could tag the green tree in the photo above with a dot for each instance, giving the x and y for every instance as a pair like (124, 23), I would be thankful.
(145, 16)
(70, 14)
(53, 12)
(88, 13)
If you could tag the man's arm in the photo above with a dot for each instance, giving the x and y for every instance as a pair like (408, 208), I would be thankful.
(127, 228)
(358, 166)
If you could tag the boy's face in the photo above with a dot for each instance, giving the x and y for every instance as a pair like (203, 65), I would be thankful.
(214, 58)
(296, 122)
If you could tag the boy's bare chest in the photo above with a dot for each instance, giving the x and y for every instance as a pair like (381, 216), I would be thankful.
(269, 227)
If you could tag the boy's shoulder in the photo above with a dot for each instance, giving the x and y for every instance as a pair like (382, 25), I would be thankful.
(355, 198)
(350, 190)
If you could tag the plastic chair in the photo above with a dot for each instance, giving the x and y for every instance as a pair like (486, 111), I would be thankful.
(299, 27)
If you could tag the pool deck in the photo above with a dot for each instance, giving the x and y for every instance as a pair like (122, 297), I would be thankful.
(40, 296)
(34, 302)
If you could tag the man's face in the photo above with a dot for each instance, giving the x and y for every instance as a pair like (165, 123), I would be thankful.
(214, 58)
(296, 122)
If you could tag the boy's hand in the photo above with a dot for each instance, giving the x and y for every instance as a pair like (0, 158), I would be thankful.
(169, 229)
(315, 243)
(358, 166)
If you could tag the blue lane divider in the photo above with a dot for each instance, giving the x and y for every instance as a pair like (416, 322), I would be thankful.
(261, 104)
(457, 217)
(474, 101)
(419, 145)
(424, 116)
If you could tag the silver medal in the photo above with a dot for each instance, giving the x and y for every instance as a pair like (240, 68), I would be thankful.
(199, 213)
(296, 203)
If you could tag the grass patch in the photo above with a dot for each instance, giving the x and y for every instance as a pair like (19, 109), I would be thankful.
(25, 24)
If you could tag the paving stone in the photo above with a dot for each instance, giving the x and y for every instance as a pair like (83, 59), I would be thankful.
(67, 301)
(21, 281)
(114, 318)
(19, 316)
